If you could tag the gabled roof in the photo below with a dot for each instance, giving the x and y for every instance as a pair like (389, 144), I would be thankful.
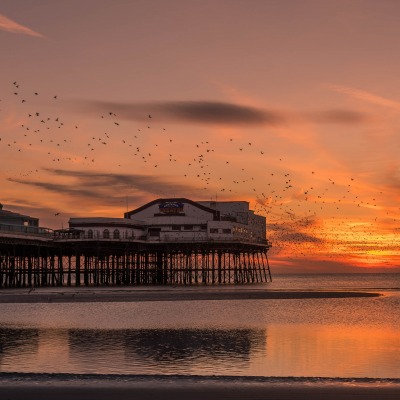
(11, 214)
(215, 213)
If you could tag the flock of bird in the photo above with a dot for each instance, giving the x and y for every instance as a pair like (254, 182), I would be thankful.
(304, 214)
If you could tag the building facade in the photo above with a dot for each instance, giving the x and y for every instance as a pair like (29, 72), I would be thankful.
(12, 223)
(16, 219)
(178, 220)
(99, 228)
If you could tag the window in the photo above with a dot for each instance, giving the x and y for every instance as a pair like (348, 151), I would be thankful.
(226, 231)
(213, 230)
(106, 234)
(154, 232)
(116, 234)
(90, 234)
(188, 227)
(203, 227)
(176, 227)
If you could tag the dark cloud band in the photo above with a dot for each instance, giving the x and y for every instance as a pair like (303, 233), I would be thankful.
(107, 187)
(212, 112)
(340, 117)
(203, 112)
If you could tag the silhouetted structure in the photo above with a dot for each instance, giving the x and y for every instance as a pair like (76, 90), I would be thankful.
(170, 241)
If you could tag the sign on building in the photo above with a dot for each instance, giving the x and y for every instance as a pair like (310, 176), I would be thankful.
(171, 208)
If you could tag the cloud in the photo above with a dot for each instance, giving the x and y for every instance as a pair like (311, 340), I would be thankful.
(204, 112)
(59, 188)
(299, 237)
(147, 183)
(107, 188)
(281, 232)
(294, 232)
(8, 25)
(365, 96)
(340, 117)
(212, 112)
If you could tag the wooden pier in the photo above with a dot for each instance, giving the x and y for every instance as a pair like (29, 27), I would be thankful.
(41, 262)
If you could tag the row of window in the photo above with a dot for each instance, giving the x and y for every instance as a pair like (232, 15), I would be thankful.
(216, 230)
(116, 234)
(187, 227)
(202, 227)
(106, 234)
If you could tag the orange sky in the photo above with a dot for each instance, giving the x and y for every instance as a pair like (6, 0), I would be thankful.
(291, 105)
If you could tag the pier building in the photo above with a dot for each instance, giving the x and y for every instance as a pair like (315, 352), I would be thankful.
(13, 218)
(166, 241)
(15, 224)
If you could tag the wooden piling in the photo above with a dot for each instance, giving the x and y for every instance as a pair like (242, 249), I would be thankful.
(95, 263)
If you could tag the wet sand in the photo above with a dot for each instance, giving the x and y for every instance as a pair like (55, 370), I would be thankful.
(18, 386)
(193, 388)
(137, 294)
(75, 387)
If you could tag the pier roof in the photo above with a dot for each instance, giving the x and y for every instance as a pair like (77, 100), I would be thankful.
(16, 218)
(215, 213)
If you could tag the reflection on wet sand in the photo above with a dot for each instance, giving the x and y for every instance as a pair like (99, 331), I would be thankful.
(139, 351)
(18, 341)
(288, 350)
(175, 350)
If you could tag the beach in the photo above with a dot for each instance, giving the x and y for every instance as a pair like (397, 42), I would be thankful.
(145, 294)
(47, 387)
(296, 339)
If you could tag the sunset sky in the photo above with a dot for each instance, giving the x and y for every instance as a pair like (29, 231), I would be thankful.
(293, 106)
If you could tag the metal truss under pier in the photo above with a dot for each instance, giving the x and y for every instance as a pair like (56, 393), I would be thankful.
(34, 263)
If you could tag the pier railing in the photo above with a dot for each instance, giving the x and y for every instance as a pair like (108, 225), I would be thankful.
(164, 240)
(9, 230)
(25, 230)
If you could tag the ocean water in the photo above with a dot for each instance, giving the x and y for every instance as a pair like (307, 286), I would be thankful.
(333, 338)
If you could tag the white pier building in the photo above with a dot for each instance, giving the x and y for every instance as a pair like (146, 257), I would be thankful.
(178, 220)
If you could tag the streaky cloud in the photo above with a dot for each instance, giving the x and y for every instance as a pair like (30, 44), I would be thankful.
(204, 112)
(215, 112)
(148, 183)
(8, 25)
(59, 188)
(340, 117)
(212, 112)
(295, 231)
(365, 96)
(107, 187)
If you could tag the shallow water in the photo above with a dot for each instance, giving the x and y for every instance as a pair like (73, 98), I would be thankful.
(348, 337)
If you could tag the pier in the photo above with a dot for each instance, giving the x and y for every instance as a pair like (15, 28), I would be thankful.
(164, 242)
(33, 261)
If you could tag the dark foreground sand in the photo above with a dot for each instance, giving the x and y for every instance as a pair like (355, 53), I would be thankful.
(191, 388)
(135, 294)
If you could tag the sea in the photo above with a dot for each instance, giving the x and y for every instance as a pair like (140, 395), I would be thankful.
(341, 338)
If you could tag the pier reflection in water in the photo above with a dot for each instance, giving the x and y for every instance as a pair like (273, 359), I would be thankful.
(138, 351)
(18, 341)
(329, 350)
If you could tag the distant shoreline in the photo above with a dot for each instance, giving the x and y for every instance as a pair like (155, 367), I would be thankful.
(124, 387)
(140, 294)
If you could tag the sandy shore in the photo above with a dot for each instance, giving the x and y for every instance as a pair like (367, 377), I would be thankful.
(136, 294)
(193, 388)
